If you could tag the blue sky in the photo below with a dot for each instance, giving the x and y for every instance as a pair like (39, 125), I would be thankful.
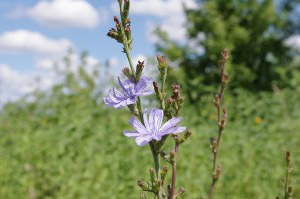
(34, 34)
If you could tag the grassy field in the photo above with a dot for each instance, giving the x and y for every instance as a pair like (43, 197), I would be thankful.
(71, 147)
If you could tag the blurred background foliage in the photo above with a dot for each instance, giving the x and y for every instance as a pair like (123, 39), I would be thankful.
(255, 33)
(65, 143)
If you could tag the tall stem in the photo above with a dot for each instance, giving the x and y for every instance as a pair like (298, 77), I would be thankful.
(140, 109)
(174, 171)
(215, 154)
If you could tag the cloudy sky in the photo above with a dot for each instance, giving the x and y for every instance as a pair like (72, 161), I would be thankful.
(36, 33)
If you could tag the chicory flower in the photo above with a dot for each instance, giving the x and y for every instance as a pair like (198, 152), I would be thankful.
(153, 128)
(129, 94)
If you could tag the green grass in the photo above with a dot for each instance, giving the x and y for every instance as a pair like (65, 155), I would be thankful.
(69, 147)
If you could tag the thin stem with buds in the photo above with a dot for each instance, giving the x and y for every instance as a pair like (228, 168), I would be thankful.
(174, 171)
(221, 123)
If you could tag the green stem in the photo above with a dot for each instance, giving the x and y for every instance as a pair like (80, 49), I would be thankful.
(127, 52)
(140, 109)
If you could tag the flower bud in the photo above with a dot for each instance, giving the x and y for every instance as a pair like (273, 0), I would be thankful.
(162, 63)
(224, 119)
(139, 70)
(218, 173)
(163, 173)
(118, 24)
(225, 54)
(152, 175)
(176, 91)
(145, 186)
(126, 71)
(225, 78)
(213, 145)
(216, 100)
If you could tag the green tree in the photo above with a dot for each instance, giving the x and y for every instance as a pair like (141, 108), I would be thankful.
(254, 31)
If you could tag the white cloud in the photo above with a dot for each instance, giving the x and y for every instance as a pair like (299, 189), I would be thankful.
(62, 13)
(13, 84)
(293, 41)
(24, 41)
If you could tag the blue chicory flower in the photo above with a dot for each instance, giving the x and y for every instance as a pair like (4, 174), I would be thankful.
(153, 128)
(129, 94)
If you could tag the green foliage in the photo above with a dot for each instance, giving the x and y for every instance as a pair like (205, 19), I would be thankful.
(254, 31)
(68, 145)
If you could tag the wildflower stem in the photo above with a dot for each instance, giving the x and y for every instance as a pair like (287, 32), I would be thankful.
(127, 52)
(288, 188)
(174, 171)
(140, 109)
(221, 125)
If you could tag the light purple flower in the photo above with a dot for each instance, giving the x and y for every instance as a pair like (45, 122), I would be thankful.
(129, 94)
(153, 128)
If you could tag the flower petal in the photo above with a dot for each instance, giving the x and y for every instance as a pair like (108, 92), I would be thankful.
(173, 130)
(146, 122)
(170, 123)
(139, 127)
(143, 140)
(122, 86)
(155, 119)
(142, 84)
(131, 134)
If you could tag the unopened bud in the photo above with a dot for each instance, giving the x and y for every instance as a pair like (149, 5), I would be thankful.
(225, 78)
(218, 173)
(139, 70)
(162, 63)
(216, 100)
(126, 71)
(225, 54)
(176, 91)
(116, 20)
(224, 120)
(213, 145)
(145, 186)
(163, 173)
(113, 34)
(152, 175)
